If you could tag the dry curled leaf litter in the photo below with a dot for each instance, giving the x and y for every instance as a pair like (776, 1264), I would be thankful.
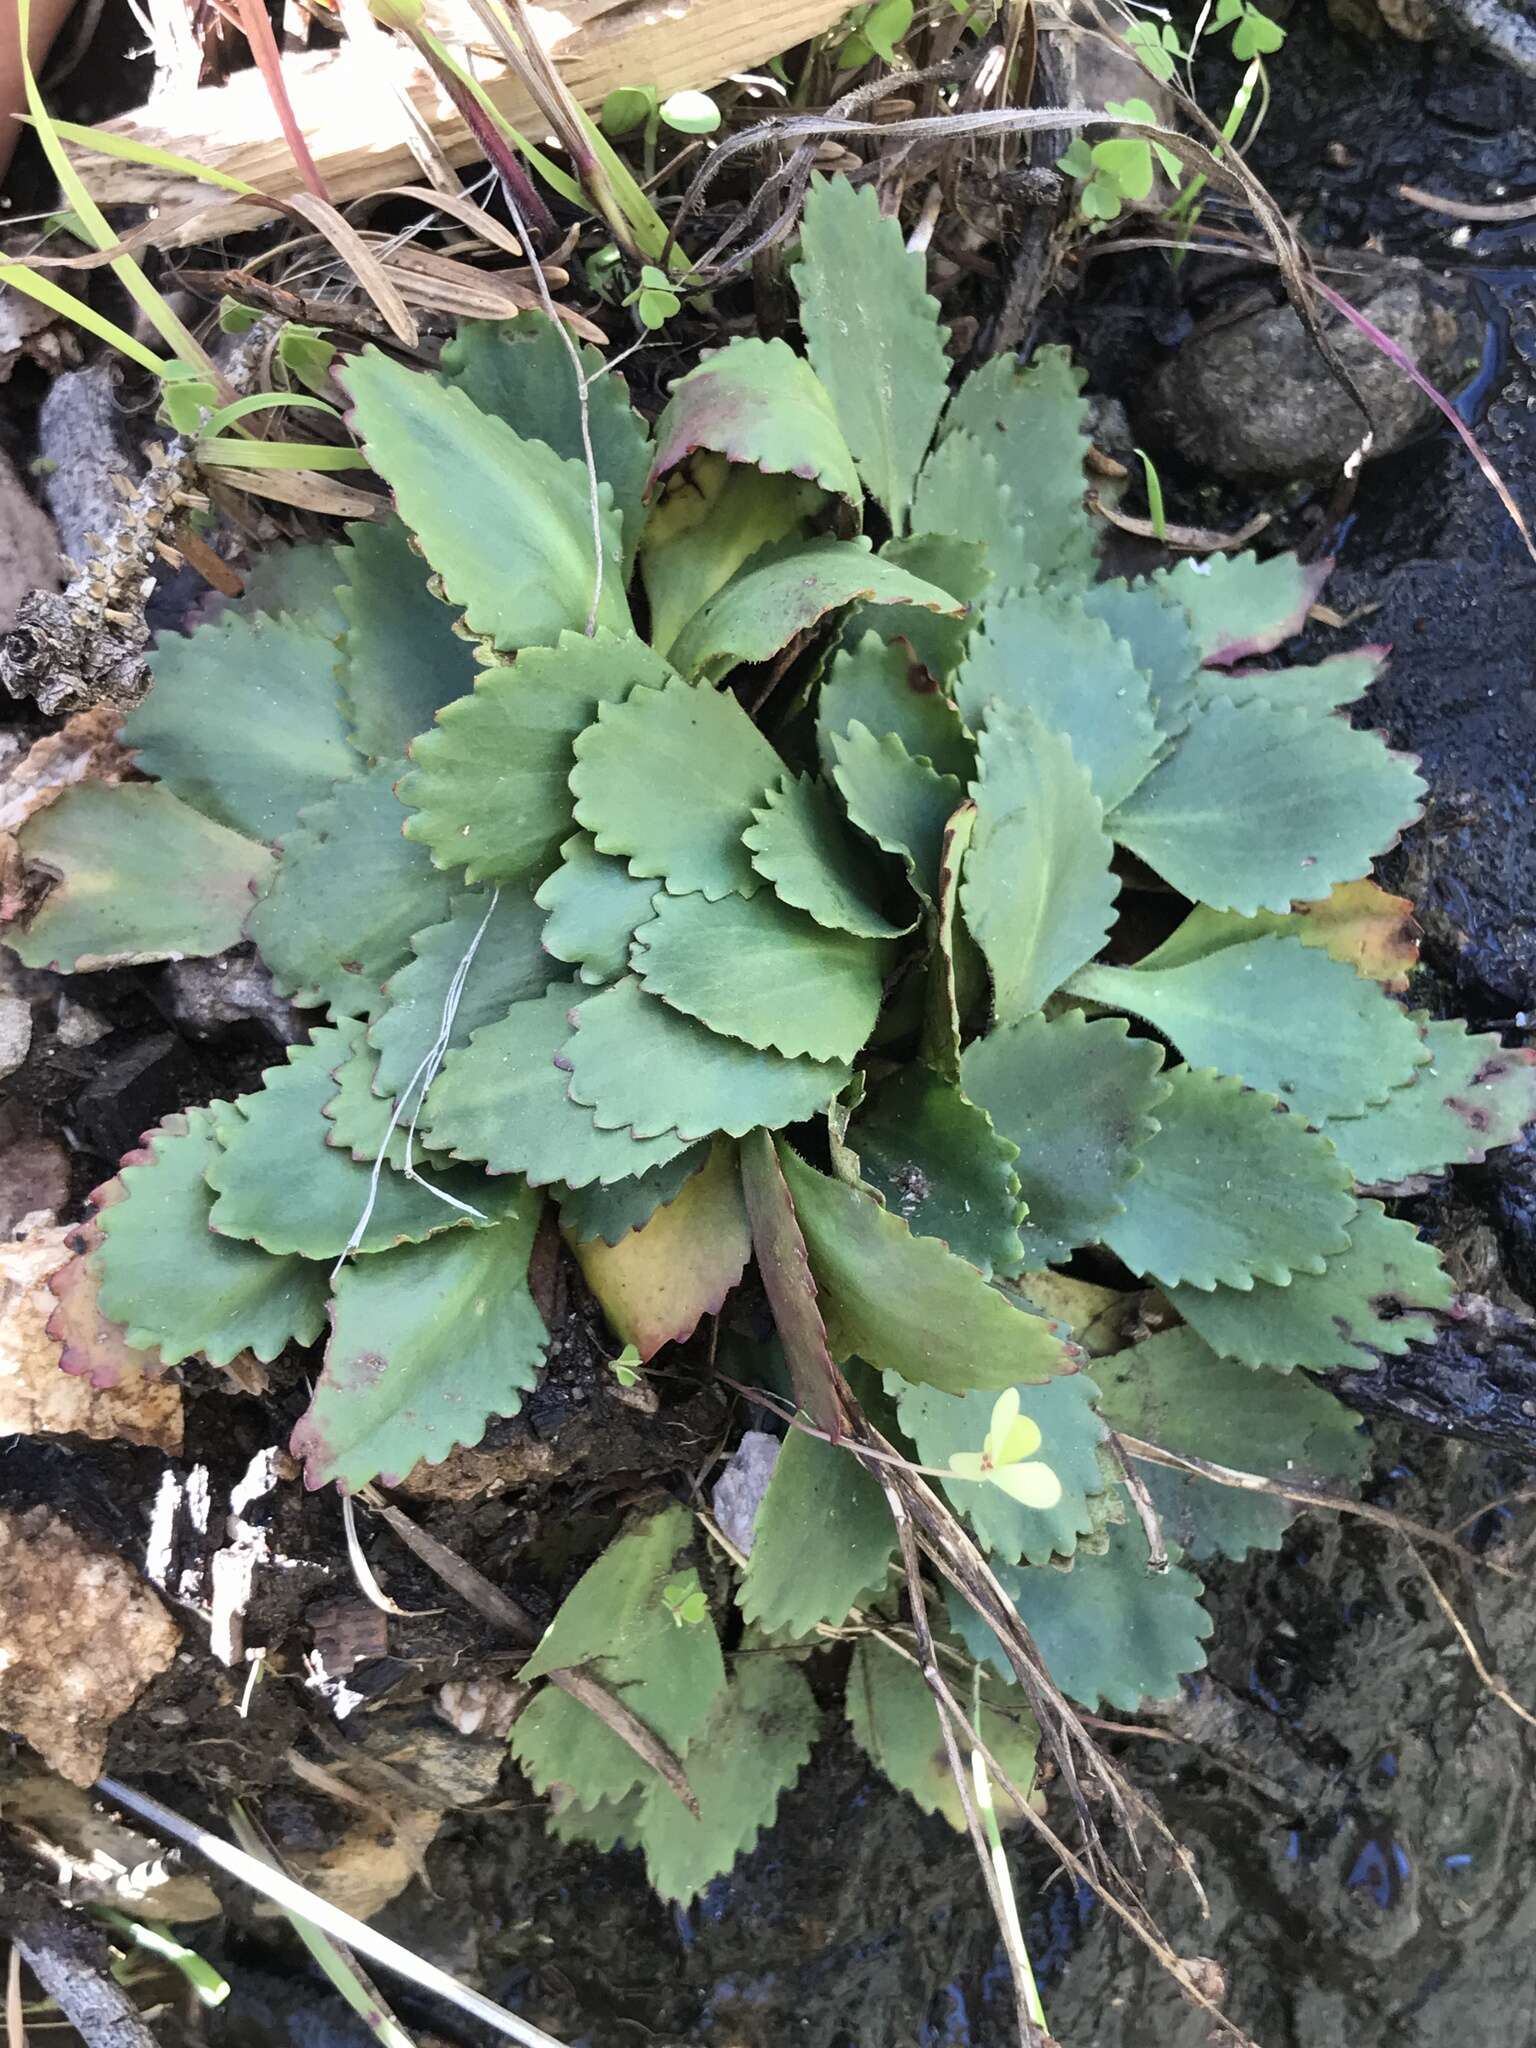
(37, 1398)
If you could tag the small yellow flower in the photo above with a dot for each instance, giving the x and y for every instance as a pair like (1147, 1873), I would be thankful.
(1004, 1459)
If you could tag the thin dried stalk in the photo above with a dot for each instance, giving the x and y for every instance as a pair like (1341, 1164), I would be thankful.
(1308, 1496)
(514, 1620)
(360, 260)
(1018, 1962)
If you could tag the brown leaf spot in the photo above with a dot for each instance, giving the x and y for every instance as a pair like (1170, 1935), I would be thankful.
(1472, 1114)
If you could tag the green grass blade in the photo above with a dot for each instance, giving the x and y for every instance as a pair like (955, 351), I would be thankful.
(279, 455)
(100, 143)
(438, 54)
(165, 323)
(261, 401)
(156, 1939)
(339, 1966)
(54, 296)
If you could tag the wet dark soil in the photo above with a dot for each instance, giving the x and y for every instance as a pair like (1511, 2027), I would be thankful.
(1359, 1805)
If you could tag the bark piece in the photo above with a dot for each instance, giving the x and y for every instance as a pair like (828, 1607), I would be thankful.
(80, 1638)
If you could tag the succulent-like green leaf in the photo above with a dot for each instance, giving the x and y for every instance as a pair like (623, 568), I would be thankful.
(1324, 687)
(902, 804)
(791, 1586)
(280, 1185)
(752, 968)
(757, 402)
(1035, 421)
(1040, 652)
(798, 842)
(521, 372)
(893, 1718)
(509, 966)
(906, 1304)
(668, 780)
(657, 1284)
(643, 1067)
(881, 687)
(1474, 1095)
(491, 784)
(1111, 1631)
(401, 660)
(1079, 1100)
(503, 1098)
(596, 1213)
(1255, 807)
(1158, 632)
(175, 1286)
(348, 896)
(873, 334)
(941, 1166)
(749, 1752)
(426, 1347)
(359, 1121)
(961, 494)
(139, 876)
(505, 521)
(1174, 1391)
(243, 722)
(1280, 1015)
(297, 582)
(605, 1824)
(1072, 1444)
(1239, 606)
(937, 641)
(1356, 922)
(1037, 888)
(708, 522)
(781, 594)
(593, 905)
(1369, 1298)
(616, 1625)
(1232, 1189)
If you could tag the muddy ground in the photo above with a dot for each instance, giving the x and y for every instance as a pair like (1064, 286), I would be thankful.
(1360, 1807)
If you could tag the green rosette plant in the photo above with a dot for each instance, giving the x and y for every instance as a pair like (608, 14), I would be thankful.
(986, 949)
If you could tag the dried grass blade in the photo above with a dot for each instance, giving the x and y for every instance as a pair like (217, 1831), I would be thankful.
(297, 1899)
(361, 261)
(1468, 209)
(1410, 369)
(301, 488)
(477, 1592)
(464, 210)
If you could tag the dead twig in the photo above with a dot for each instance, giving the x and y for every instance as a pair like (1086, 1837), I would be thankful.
(295, 1898)
(68, 1956)
(1494, 1684)
(1184, 540)
(1467, 209)
(1142, 1501)
(1311, 1497)
(1019, 1970)
(514, 1620)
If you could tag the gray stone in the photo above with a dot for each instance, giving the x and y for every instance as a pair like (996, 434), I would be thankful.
(1253, 398)
(15, 1032)
(740, 1488)
(208, 996)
